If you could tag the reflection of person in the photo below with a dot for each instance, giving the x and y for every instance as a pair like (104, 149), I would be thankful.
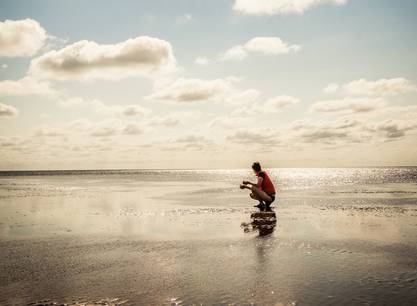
(263, 190)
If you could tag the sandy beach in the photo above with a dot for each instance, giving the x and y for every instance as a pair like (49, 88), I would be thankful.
(341, 237)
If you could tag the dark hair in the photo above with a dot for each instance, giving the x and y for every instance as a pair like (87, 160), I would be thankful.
(256, 166)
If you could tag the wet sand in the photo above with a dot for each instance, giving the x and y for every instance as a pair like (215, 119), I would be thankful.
(128, 241)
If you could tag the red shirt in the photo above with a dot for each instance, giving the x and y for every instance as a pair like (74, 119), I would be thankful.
(267, 184)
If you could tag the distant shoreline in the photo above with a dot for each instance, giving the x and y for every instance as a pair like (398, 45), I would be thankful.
(155, 170)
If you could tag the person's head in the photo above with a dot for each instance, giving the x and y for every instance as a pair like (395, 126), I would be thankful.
(256, 166)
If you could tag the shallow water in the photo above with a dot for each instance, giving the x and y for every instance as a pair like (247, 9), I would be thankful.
(132, 237)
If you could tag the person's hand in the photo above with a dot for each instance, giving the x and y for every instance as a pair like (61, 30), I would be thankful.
(245, 182)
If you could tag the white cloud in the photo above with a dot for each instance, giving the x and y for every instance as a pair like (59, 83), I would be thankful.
(122, 110)
(260, 45)
(348, 130)
(133, 110)
(26, 86)
(228, 122)
(245, 136)
(186, 142)
(237, 53)
(279, 7)
(8, 110)
(273, 105)
(395, 128)
(21, 37)
(382, 87)
(191, 138)
(145, 56)
(132, 129)
(73, 101)
(348, 105)
(184, 19)
(330, 132)
(174, 118)
(49, 132)
(202, 60)
(103, 131)
(195, 90)
(269, 46)
(4, 66)
(191, 90)
(128, 110)
(278, 103)
(331, 88)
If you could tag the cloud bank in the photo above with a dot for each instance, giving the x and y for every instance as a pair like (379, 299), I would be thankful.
(144, 56)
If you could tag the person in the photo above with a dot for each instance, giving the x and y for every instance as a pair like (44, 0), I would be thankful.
(263, 190)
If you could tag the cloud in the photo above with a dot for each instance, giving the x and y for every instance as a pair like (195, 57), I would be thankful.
(347, 130)
(237, 53)
(132, 129)
(395, 128)
(128, 110)
(26, 86)
(279, 7)
(103, 131)
(184, 19)
(197, 90)
(331, 88)
(174, 118)
(21, 37)
(260, 45)
(329, 132)
(265, 137)
(382, 87)
(202, 60)
(190, 141)
(8, 110)
(133, 110)
(273, 105)
(121, 110)
(189, 138)
(192, 90)
(49, 132)
(278, 103)
(144, 56)
(228, 122)
(348, 105)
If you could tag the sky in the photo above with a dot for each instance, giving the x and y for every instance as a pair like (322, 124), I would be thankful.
(192, 84)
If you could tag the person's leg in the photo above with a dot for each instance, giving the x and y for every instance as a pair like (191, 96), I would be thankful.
(253, 196)
(260, 195)
(257, 198)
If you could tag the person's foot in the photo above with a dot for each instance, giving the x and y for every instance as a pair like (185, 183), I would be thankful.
(242, 186)
(260, 205)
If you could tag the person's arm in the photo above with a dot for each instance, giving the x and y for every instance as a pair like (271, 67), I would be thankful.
(258, 184)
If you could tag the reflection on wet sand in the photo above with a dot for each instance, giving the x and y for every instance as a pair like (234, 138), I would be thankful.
(81, 302)
(263, 221)
(174, 238)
